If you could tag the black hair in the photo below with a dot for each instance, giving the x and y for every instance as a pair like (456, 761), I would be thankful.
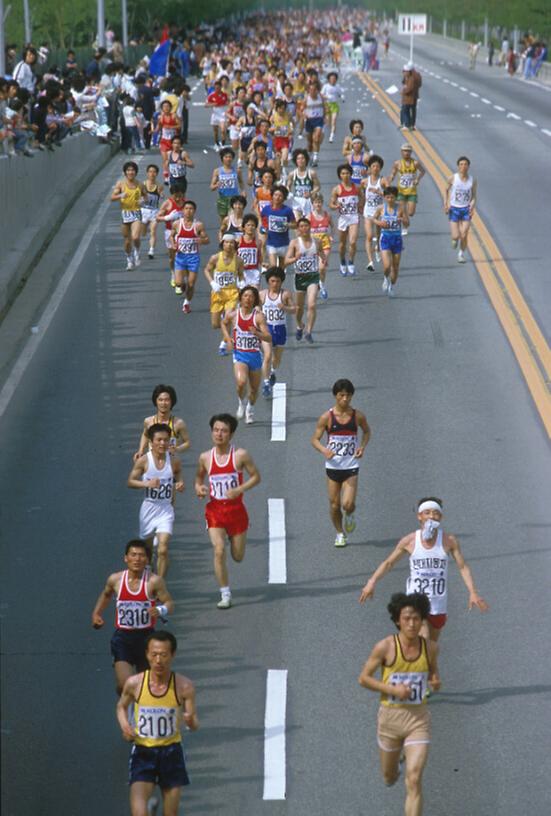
(374, 158)
(155, 167)
(297, 152)
(177, 188)
(227, 419)
(234, 199)
(390, 191)
(275, 272)
(157, 427)
(268, 170)
(138, 542)
(304, 220)
(342, 167)
(166, 102)
(430, 498)
(399, 601)
(177, 137)
(250, 217)
(343, 385)
(164, 389)
(189, 201)
(464, 158)
(227, 151)
(253, 289)
(355, 122)
(332, 73)
(164, 637)
(127, 165)
(282, 189)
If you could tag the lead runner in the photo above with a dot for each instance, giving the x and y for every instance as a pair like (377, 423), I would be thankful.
(225, 513)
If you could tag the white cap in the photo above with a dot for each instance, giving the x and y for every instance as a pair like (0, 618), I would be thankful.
(408, 66)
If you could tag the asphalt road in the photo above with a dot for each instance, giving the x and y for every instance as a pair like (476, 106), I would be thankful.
(450, 415)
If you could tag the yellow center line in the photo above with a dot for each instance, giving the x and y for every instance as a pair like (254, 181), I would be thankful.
(521, 328)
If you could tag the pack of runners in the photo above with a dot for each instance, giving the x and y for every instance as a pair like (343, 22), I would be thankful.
(272, 93)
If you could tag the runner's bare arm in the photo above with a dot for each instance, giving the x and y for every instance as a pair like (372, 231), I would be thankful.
(103, 601)
(434, 674)
(202, 233)
(321, 428)
(182, 436)
(214, 179)
(135, 478)
(292, 254)
(464, 570)
(158, 590)
(447, 194)
(333, 201)
(117, 193)
(201, 489)
(186, 693)
(227, 326)
(472, 205)
(376, 659)
(366, 434)
(244, 461)
(128, 696)
(262, 331)
(144, 442)
(399, 552)
(209, 268)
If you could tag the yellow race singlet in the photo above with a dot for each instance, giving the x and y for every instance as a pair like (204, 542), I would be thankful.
(415, 673)
(407, 177)
(225, 272)
(157, 718)
(131, 200)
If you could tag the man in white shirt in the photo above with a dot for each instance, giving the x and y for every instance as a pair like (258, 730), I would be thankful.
(23, 71)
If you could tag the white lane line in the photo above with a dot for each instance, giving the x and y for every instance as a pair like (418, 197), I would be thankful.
(486, 101)
(461, 88)
(472, 93)
(437, 76)
(274, 734)
(513, 116)
(499, 108)
(530, 123)
(279, 409)
(196, 104)
(547, 132)
(277, 565)
(54, 303)
(454, 84)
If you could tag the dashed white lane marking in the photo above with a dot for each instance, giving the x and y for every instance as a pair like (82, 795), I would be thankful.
(461, 88)
(547, 132)
(35, 339)
(279, 410)
(486, 101)
(499, 108)
(530, 123)
(454, 84)
(277, 560)
(473, 93)
(513, 116)
(274, 735)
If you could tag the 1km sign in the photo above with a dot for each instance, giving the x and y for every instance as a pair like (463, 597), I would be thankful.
(412, 24)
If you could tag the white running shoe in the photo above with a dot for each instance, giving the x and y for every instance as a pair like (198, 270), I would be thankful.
(240, 413)
(404, 232)
(391, 290)
(460, 257)
(340, 540)
(343, 268)
(351, 270)
(151, 253)
(348, 522)
(136, 258)
(225, 601)
(129, 262)
(385, 283)
(331, 137)
(249, 414)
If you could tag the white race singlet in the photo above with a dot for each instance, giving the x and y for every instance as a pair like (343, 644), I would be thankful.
(428, 573)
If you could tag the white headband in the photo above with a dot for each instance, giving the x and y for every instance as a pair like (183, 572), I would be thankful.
(429, 505)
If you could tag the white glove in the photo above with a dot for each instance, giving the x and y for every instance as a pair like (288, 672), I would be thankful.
(215, 286)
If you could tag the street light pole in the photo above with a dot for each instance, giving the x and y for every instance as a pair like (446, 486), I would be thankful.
(27, 18)
(101, 24)
(124, 14)
(2, 41)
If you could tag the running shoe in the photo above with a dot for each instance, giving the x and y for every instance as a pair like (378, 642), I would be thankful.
(340, 540)
(129, 264)
(460, 257)
(249, 414)
(152, 806)
(455, 242)
(343, 269)
(178, 290)
(151, 254)
(225, 601)
(351, 270)
(391, 292)
(266, 389)
(298, 334)
(404, 232)
(370, 267)
(385, 283)
(331, 137)
(308, 337)
(324, 294)
(273, 378)
(240, 413)
(222, 350)
(314, 161)
(137, 261)
(348, 522)
(186, 308)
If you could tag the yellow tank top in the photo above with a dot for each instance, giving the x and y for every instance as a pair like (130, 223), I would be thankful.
(225, 272)
(407, 177)
(413, 672)
(131, 200)
(157, 718)
(281, 124)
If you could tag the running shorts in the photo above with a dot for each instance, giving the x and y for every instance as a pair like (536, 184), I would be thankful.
(346, 221)
(302, 206)
(154, 521)
(333, 107)
(181, 181)
(252, 359)
(399, 725)
(392, 243)
(218, 117)
(302, 282)
(130, 216)
(223, 205)
(407, 197)
(230, 516)
(459, 214)
(165, 145)
(186, 262)
(224, 300)
(128, 646)
(341, 476)
(252, 277)
(148, 215)
(279, 335)
(279, 251)
(310, 125)
(165, 766)
(437, 621)
(281, 142)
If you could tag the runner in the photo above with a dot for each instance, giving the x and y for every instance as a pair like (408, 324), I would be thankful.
(248, 329)
(152, 192)
(178, 162)
(258, 162)
(408, 665)
(356, 128)
(234, 115)
(460, 204)
(275, 301)
(164, 399)
(250, 251)
(322, 229)
(224, 272)
(163, 703)
(141, 598)
(227, 181)
(129, 192)
(333, 94)
(429, 550)
(358, 159)
(282, 129)
(159, 474)
(186, 237)
(314, 119)
(410, 172)
(225, 513)
(373, 186)
(390, 218)
(217, 99)
(306, 254)
(171, 210)
(348, 200)
(233, 222)
(278, 219)
(168, 125)
(246, 125)
(303, 183)
(342, 454)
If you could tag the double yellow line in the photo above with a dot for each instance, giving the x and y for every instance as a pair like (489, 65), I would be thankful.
(525, 336)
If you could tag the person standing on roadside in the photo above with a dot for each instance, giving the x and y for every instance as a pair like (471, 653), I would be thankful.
(417, 83)
(408, 97)
(23, 72)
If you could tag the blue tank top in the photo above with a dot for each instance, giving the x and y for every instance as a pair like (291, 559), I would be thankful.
(228, 184)
(359, 169)
(394, 220)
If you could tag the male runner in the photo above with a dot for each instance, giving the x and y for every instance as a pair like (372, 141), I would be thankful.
(459, 204)
(129, 192)
(159, 474)
(333, 94)
(227, 181)
(275, 301)
(152, 192)
(164, 399)
(342, 453)
(373, 186)
(171, 210)
(224, 272)
(429, 550)
(187, 235)
(141, 598)
(389, 218)
(163, 702)
(408, 665)
(308, 258)
(348, 200)
(226, 516)
(278, 219)
(410, 172)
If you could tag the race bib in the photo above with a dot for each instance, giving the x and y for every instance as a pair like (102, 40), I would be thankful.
(188, 246)
(274, 315)
(307, 265)
(373, 200)
(161, 493)
(463, 197)
(220, 483)
(224, 279)
(246, 342)
(277, 223)
(133, 614)
(156, 722)
(434, 586)
(417, 681)
(249, 256)
(342, 445)
(406, 180)
(348, 205)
